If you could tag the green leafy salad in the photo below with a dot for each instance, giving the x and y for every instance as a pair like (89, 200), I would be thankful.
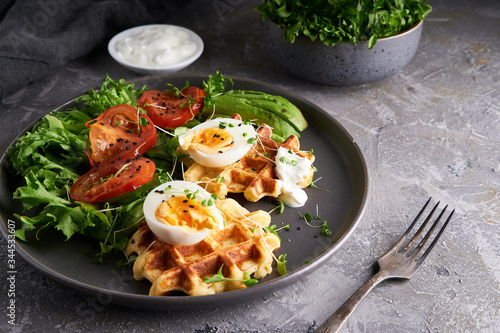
(337, 21)
(52, 156)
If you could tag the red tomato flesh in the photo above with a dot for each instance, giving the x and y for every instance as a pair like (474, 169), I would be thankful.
(166, 110)
(112, 179)
(120, 131)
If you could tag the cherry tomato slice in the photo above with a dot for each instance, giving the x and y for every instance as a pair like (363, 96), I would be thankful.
(166, 110)
(120, 131)
(112, 179)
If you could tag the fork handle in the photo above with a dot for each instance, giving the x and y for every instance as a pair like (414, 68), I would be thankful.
(339, 317)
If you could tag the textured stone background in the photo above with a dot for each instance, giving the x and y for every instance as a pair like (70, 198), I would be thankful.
(430, 130)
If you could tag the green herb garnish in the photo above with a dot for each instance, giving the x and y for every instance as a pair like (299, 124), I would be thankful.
(324, 229)
(280, 206)
(281, 264)
(215, 85)
(247, 281)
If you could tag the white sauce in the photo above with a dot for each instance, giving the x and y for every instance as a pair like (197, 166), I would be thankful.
(290, 169)
(157, 47)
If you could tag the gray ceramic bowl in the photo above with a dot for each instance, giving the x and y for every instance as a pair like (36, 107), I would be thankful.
(343, 64)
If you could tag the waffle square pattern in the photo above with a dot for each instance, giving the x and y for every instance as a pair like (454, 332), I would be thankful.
(253, 175)
(241, 246)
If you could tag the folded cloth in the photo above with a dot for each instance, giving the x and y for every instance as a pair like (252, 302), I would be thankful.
(38, 36)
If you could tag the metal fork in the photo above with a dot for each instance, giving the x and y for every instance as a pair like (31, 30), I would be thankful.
(401, 261)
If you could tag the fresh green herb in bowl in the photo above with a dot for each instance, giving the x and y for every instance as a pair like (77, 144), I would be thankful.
(342, 42)
(338, 21)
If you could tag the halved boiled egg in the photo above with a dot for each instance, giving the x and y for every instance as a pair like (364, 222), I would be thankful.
(181, 213)
(218, 142)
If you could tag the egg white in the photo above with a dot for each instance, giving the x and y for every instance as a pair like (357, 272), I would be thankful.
(242, 135)
(176, 235)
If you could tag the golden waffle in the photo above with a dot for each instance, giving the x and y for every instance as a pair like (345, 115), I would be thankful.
(242, 246)
(254, 174)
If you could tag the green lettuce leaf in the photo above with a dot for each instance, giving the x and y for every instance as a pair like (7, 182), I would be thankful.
(51, 156)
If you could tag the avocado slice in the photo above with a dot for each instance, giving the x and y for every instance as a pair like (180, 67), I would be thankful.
(275, 104)
(275, 111)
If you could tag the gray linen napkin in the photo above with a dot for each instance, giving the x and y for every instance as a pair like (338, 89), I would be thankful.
(37, 36)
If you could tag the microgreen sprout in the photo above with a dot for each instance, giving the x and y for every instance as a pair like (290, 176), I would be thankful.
(220, 179)
(130, 260)
(191, 195)
(123, 168)
(280, 206)
(285, 227)
(272, 229)
(188, 103)
(324, 230)
(288, 161)
(252, 140)
(247, 281)
(215, 86)
(176, 91)
(281, 264)
(141, 121)
(313, 185)
(207, 202)
(307, 217)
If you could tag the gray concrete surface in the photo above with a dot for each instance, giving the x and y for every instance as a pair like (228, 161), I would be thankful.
(430, 130)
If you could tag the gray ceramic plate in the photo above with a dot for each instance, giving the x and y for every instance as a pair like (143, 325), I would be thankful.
(344, 177)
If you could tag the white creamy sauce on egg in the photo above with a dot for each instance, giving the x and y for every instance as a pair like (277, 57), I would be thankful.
(290, 169)
(157, 47)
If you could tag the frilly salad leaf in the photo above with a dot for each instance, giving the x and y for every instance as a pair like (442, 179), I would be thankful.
(50, 157)
(337, 21)
(111, 93)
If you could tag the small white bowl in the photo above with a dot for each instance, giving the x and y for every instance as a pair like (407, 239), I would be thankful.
(154, 70)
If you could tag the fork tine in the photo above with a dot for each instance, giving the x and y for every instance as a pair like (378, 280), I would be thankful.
(399, 244)
(422, 227)
(422, 258)
(426, 237)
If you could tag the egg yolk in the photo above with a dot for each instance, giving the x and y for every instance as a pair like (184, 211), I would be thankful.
(210, 141)
(187, 213)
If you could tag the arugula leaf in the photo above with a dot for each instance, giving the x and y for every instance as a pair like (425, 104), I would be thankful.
(337, 21)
